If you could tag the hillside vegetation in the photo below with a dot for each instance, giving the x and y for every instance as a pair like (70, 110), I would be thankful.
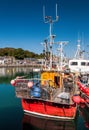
(19, 53)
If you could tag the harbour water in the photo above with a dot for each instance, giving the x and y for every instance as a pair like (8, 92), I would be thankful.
(12, 116)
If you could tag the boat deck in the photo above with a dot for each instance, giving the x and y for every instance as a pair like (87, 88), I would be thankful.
(56, 95)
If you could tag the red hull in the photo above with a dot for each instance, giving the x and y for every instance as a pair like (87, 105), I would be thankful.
(48, 108)
(84, 90)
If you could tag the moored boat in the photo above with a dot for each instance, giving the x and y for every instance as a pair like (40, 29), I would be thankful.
(50, 94)
(79, 64)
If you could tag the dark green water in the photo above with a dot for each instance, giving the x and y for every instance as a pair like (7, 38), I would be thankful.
(12, 116)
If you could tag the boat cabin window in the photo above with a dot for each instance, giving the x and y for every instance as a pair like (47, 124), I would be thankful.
(88, 64)
(83, 63)
(57, 80)
(74, 63)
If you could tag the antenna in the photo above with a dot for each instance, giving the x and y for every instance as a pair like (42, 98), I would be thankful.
(48, 19)
(44, 13)
(83, 47)
(88, 51)
(56, 13)
(79, 52)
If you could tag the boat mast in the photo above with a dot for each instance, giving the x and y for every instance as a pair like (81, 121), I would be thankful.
(61, 55)
(45, 51)
(48, 19)
(79, 53)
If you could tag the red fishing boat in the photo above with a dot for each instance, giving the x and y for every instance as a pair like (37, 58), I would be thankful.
(49, 95)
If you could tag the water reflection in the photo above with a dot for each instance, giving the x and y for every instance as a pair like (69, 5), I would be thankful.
(84, 113)
(34, 123)
(11, 71)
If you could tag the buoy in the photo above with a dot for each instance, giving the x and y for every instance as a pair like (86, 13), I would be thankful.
(80, 85)
(87, 93)
(76, 99)
(82, 100)
(30, 84)
(87, 90)
(13, 82)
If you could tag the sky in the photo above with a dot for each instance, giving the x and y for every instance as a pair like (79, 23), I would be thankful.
(22, 24)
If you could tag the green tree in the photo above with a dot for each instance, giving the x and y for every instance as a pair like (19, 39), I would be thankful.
(19, 53)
